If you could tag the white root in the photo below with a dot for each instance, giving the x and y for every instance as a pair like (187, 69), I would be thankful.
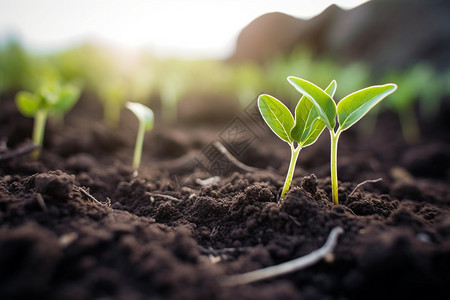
(294, 265)
(364, 182)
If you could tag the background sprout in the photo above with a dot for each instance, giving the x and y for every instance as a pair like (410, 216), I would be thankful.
(420, 82)
(54, 99)
(298, 133)
(349, 111)
(247, 80)
(112, 92)
(146, 120)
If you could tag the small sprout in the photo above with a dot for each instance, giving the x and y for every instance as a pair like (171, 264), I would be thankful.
(146, 120)
(112, 92)
(298, 133)
(348, 111)
(50, 99)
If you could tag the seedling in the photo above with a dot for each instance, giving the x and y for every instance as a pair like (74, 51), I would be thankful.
(349, 111)
(420, 82)
(146, 120)
(112, 92)
(50, 99)
(299, 132)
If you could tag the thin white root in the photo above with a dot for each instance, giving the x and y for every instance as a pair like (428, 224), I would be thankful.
(166, 197)
(207, 181)
(364, 182)
(287, 267)
(87, 194)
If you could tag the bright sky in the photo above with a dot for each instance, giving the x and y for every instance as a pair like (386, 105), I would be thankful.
(189, 28)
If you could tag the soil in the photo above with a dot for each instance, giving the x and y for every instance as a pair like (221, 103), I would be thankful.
(80, 224)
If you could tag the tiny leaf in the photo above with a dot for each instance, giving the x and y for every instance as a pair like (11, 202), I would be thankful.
(143, 113)
(354, 106)
(28, 103)
(277, 116)
(67, 98)
(325, 106)
(316, 129)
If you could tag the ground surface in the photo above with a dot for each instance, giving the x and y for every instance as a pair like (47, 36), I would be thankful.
(78, 224)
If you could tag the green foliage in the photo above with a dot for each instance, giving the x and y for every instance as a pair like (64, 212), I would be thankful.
(349, 111)
(300, 132)
(308, 126)
(112, 92)
(146, 121)
(15, 66)
(277, 116)
(353, 107)
(325, 106)
(417, 83)
(53, 100)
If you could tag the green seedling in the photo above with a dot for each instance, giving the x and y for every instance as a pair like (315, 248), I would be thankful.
(146, 120)
(348, 111)
(420, 82)
(112, 92)
(300, 132)
(49, 100)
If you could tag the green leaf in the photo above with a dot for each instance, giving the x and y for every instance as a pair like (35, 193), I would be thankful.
(143, 113)
(307, 128)
(68, 96)
(49, 94)
(28, 103)
(316, 129)
(354, 106)
(325, 106)
(277, 116)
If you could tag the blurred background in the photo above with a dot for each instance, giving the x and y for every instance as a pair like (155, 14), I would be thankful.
(197, 62)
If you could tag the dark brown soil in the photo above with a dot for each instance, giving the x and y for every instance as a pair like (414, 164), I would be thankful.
(78, 224)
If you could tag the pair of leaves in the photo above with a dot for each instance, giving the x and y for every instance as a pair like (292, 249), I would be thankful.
(350, 109)
(304, 129)
(58, 100)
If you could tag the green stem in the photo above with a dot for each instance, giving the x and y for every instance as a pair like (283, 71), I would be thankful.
(290, 174)
(111, 114)
(333, 164)
(139, 145)
(38, 132)
(409, 124)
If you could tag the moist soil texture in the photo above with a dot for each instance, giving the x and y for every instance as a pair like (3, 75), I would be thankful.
(80, 223)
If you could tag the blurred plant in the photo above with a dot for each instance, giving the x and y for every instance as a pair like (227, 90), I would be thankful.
(85, 65)
(172, 82)
(112, 92)
(146, 119)
(15, 66)
(349, 111)
(50, 99)
(419, 82)
(247, 82)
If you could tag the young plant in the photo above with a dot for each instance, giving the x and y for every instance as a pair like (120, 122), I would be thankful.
(348, 111)
(53, 100)
(299, 132)
(146, 120)
(112, 92)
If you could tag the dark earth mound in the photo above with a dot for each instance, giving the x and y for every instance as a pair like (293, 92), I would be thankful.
(78, 224)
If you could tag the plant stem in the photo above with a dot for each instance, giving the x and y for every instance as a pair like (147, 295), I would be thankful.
(111, 114)
(290, 174)
(409, 124)
(38, 132)
(333, 164)
(139, 145)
